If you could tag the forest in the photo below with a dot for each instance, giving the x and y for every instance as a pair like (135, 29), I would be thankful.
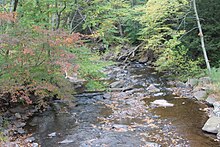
(47, 47)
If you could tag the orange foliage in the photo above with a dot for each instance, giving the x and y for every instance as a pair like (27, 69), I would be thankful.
(6, 17)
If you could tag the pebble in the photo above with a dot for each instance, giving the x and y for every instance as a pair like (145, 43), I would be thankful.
(18, 115)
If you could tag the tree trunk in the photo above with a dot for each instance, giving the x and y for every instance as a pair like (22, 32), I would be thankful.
(201, 36)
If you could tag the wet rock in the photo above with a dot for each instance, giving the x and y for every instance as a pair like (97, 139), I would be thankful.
(29, 139)
(35, 144)
(107, 96)
(52, 135)
(200, 95)
(19, 124)
(20, 131)
(153, 88)
(211, 99)
(192, 82)
(66, 141)
(216, 110)
(212, 125)
(18, 115)
(158, 94)
(162, 103)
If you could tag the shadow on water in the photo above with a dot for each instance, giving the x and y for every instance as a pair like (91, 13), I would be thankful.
(188, 119)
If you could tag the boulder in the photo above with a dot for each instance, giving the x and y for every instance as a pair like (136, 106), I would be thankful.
(200, 95)
(205, 80)
(211, 99)
(192, 82)
(212, 125)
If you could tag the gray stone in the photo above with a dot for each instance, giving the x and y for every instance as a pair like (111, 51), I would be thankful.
(180, 84)
(200, 95)
(117, 84)
(20, 131)
(66, 141)
(19, 124)
(216, 110)
(18, 115)
(35, 144)
(153, 88)
(211, 99)
(192, 82)
(159, 94)
(29, 139)
(205, 80)
(52, 134)
(212, 125)
(107, 96)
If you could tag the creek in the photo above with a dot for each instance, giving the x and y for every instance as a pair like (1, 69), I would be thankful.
(124, 116)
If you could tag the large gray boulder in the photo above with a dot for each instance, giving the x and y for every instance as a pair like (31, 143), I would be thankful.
(200, 95)
(212, 125)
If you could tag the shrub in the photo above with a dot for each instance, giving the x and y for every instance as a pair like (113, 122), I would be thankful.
(32, 63)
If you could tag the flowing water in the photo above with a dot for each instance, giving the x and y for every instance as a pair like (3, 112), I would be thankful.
(124, 117)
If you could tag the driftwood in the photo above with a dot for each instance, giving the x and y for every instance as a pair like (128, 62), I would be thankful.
(132, 52)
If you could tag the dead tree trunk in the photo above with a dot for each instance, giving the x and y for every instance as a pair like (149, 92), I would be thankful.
(201, 36)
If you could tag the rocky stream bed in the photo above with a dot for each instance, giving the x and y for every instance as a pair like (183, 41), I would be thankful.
(138, 110)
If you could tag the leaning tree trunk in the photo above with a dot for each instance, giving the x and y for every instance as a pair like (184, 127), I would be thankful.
(201, 36)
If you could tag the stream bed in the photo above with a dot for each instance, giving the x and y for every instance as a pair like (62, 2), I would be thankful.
(124, 116)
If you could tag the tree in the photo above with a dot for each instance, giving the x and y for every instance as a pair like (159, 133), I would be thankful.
(201, 35)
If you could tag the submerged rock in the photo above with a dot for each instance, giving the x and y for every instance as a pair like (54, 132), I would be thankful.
(212, 125)
(162, 103)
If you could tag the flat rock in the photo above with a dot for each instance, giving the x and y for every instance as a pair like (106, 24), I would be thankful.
(153, 88)
(107, 96)
(211, 99)
(162, 103)
(212, 125)
(200, 95)
(66, 141)
(20, 131)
